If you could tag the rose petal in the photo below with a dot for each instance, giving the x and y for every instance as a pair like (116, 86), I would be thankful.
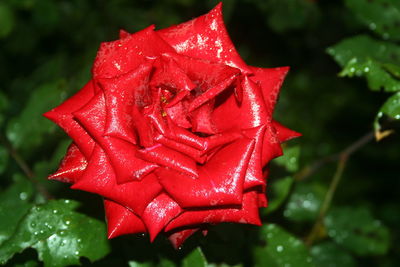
(121, 221)
(284, 134)
(270, 81)
(247, 213)
(211, 93)
(99, 178)
(124, 55)
(62, 116)
(250, 113)
(178, 237)
(120, 94)
(71, 167)
(122, 154)
(220, 180)
(159, 213)
(205, 37)
(169, 158)
(254, 175)
(271, 146)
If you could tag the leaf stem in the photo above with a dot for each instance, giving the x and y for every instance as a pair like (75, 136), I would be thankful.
(342, 157)
(24, 167)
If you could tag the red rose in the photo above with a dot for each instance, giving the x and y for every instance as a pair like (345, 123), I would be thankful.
(173, 130)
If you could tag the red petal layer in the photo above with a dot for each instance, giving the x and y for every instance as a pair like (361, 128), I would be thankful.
(159, 213)
(247, 213)
(121, 221)
(205, 37)
(62, 116)
(220, 180)
(99, 178)
(71, 167)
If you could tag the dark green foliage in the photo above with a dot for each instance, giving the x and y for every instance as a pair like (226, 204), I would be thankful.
(344, 82)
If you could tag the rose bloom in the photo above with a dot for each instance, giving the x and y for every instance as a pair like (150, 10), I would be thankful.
(173, 130)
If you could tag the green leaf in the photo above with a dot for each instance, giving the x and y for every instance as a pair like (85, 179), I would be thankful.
(290, 158)
(278, 192)
(195, 259)
(391, 107)
(139, 264)
(281, 249)
(6, 20)
(356, 230)
(304, 203)
(364, 56)
(28, 129)
(380, 16)
(329, 254)
(59, 234)
(14, 205)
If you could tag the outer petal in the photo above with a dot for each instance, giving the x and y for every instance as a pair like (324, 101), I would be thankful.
(220, 180)
(270, 81)
(62, 115)
(178, 237)
(99, 178)
(284, 134)
(121, 221)
(159, 213)
(205, 37)
(72, 166)
(124, 55)
(247, 213)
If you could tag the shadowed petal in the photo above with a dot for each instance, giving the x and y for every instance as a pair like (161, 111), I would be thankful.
(71, 167)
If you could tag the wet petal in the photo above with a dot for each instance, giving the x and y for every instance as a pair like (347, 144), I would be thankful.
(62, 116)
(99, 178)
(247, 213)
(121, 221)
(159, 213)
(124, 55)
(122, 154)
(284, 134)
(205, 37)
(169, 158)
(71, 167)
(120, 94)
(220, 180)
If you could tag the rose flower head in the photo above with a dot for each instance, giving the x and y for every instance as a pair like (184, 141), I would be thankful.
(173, 130)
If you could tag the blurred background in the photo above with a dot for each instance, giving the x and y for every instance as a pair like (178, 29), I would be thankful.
(334, 195)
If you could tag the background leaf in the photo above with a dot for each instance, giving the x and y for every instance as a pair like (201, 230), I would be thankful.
(59, 234)
(361, 234)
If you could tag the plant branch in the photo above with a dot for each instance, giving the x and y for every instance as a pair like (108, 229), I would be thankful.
(24, 167)
(343, 157)
(311, 169)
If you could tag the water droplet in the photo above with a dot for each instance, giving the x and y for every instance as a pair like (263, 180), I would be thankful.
(352, 69)
(36, 233)
(55, 211)
(67, 222)
(372, 26)
(397, 116)
(79, 240)
(23, 195)
(279, 248)
(33, 224)
(76, 253)
(366, 69)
